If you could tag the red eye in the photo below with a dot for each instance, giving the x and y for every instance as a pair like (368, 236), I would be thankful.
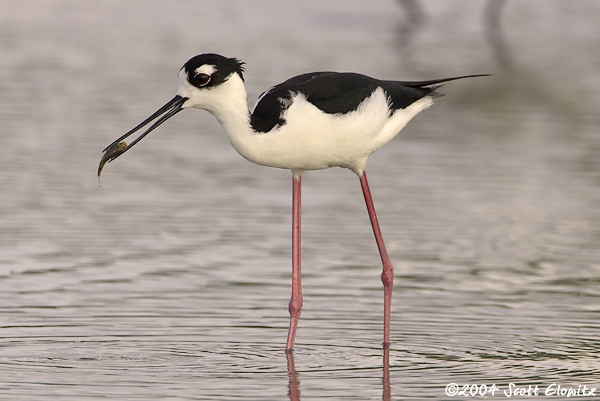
(201, 79)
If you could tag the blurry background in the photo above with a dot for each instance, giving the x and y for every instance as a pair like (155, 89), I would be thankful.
(172, 279)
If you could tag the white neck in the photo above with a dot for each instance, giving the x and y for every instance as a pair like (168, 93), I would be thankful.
(228, 102)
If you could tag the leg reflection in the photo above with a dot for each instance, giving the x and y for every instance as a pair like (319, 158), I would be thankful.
(294, 383)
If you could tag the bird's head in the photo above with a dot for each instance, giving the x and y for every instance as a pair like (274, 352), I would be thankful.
(207, 81)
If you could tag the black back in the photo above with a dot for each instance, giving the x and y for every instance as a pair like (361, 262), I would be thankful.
(333, 93)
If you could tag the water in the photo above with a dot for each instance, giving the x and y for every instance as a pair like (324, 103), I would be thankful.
(171, 281)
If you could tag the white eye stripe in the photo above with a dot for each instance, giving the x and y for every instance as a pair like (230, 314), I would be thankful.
(206, 69)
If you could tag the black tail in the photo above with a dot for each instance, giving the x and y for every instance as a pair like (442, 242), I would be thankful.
(404, 93)
(435, 84)
(438, 82)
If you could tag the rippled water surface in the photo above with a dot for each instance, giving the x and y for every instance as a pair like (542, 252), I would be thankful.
(171, 281)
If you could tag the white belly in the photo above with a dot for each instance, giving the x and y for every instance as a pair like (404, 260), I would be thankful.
(314, 140)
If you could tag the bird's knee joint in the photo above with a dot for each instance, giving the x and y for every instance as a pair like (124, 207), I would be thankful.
(387, 277)
(295, 306)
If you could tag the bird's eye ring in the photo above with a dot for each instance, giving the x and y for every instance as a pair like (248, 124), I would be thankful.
(201, 80)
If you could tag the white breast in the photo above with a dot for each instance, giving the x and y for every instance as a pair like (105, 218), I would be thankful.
(314, 140)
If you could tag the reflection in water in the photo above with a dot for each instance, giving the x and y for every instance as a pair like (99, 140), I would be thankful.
(294, 381)
(414, 11)
(495, 35)
(492, 15)
(415, 16)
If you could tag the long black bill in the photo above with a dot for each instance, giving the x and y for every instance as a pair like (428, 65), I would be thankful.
(117, 148)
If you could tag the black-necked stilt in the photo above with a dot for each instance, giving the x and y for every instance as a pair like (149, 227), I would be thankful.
(310, 122)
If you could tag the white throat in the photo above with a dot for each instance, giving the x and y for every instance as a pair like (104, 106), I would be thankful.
(228, 102)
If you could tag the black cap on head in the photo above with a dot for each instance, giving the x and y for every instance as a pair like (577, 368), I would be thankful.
(224, 67)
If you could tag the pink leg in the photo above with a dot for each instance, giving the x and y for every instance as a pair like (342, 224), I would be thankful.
(387, 276)
(296, 300)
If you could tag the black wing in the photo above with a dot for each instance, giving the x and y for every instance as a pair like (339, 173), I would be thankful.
(336, 93)
(331, 92)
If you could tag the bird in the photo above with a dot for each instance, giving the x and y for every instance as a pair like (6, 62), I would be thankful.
(312, 121)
